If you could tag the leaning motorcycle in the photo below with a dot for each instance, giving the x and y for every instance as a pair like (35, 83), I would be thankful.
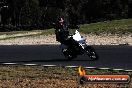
(78, 46)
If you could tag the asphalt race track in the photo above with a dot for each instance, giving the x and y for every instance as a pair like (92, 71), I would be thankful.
(116, 57)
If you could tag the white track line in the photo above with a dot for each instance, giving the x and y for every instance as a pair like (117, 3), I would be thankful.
(104, 68)
(66, 66)
(128, 70)
(9, 63)
(90, 67)
(30, 64)
(72, 66)
(49, 65)
(118, 69)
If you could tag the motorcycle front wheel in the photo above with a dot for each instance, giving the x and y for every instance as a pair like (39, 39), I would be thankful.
(91, 53)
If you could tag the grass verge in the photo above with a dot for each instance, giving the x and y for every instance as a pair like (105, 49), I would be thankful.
(115, 27)
(19, 76)
(123, 26)
(18, 34)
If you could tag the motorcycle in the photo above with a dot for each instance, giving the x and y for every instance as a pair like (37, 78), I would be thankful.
(77, 45)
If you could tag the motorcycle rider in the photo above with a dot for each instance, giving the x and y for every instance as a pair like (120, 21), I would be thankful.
(62, 34)
(61, 31)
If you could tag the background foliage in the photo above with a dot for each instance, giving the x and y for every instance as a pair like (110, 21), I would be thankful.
(21, 14)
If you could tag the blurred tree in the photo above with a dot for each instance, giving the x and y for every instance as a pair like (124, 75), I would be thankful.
(43, 12)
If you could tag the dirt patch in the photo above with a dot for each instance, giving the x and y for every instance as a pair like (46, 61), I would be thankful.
(17, 76)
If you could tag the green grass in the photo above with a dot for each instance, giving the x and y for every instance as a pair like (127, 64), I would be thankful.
(48, 32)
(123, 26)
(115, 27)
(17, 32)
(13, 34)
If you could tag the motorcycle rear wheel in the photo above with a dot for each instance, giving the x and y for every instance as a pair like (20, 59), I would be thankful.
(91, 53)
(68, 54)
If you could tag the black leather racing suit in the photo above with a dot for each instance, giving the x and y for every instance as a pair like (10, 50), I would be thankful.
(62, 33)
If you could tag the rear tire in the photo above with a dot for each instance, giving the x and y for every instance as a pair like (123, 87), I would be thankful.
(68, 54)
(91, 53)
